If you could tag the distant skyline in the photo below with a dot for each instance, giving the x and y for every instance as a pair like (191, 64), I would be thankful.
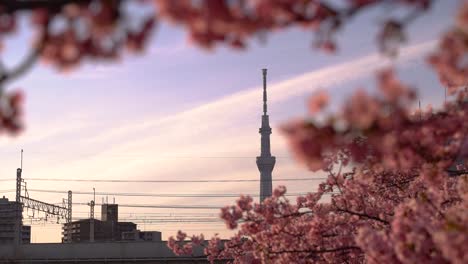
(178, 112)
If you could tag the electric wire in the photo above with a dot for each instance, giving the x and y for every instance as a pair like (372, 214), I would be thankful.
(160, 214)
(175, 220)
(161, 181)
(171, 195)
(162, 206)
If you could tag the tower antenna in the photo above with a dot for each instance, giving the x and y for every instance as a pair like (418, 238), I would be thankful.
(21, 159)
(445, 95)
(264, 71)
(420, 111)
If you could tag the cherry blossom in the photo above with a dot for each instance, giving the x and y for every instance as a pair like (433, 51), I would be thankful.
(11, 113)
(397, 187)
(70, 32)
(318, 102)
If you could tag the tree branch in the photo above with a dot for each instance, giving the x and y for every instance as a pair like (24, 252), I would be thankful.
(15, 5)
(363, 215)
(28, 61)
(320, 251)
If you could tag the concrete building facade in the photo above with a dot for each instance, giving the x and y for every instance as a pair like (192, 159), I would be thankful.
(110, 212)
(11, 218)
(106, 229)
(25, 234)
(138, 235)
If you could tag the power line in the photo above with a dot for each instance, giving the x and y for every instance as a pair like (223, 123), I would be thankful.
(136, 155)
(168, 195)
(163, 181)
(216, 207)
(156, 215)
(163, 220)
(220, 226)
(163, 206)
(165, 195)
(160, 214)
(176, 195)
(211, 222)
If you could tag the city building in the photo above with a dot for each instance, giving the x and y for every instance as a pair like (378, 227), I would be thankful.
(265, 162)
(25, 234)
(138, 235)
(123, 227)
(11, 219)
(107, 229)
(110, 212)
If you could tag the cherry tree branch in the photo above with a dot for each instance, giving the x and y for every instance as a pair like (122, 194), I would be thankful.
(320, 251)
(363, 215)
(27, 63)
(15, 5)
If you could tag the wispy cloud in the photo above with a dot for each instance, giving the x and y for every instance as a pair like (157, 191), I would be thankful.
(156, 148)
(178, 48)
(206, 129)
(225, 126)
(217, 139)
(103, 71)
(242, 104)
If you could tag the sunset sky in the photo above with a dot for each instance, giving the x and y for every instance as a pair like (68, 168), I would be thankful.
(180, 113)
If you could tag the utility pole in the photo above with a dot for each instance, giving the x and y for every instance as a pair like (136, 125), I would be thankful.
(69, 217)
(18, 180)
(23, 200)
(69, 207)
(91, 216)
(19, 208)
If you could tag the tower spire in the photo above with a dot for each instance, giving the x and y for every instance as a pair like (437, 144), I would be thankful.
(264, 92)
(265, 162)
